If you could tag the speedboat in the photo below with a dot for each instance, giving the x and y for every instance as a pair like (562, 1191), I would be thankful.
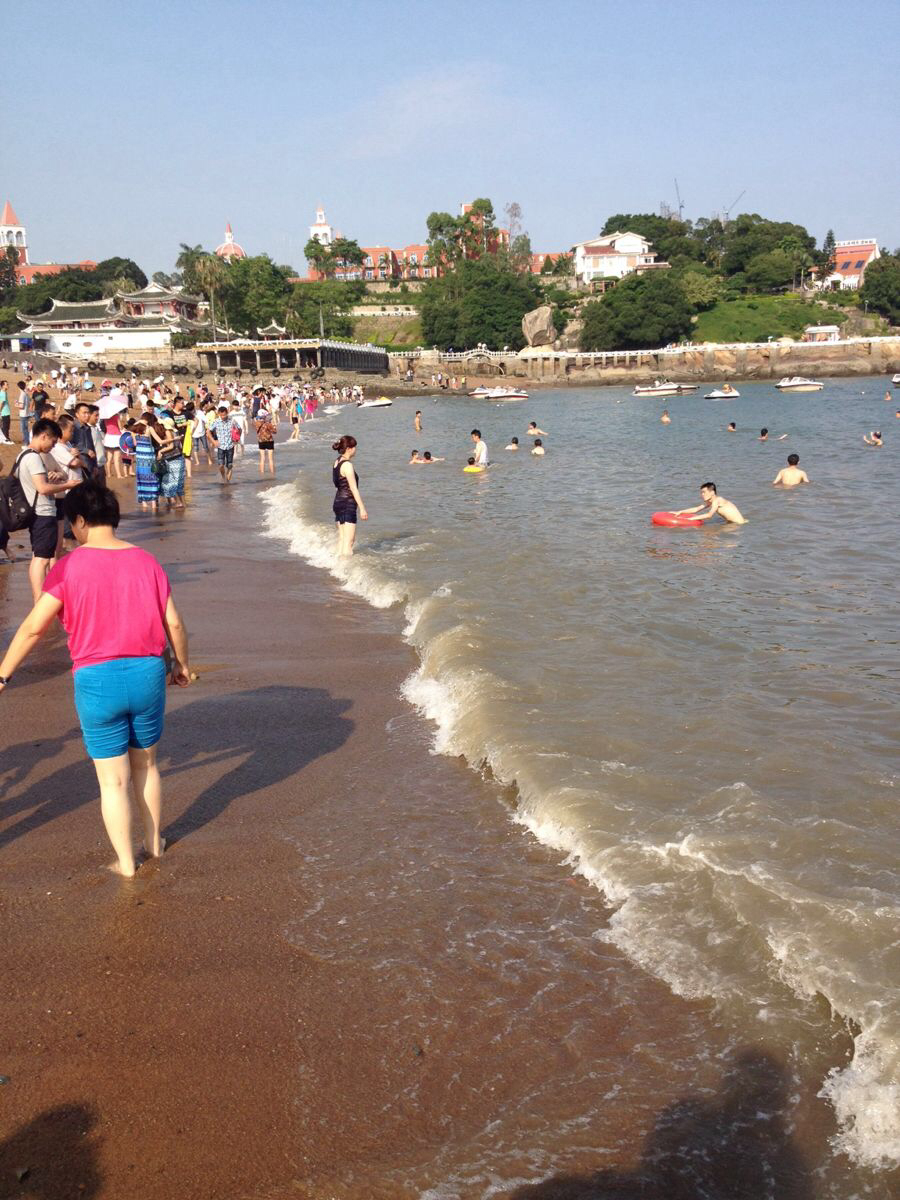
(726, 392)
(381, 402)
(896, 380)
(664, 387)
(796, 383)
(499, 393)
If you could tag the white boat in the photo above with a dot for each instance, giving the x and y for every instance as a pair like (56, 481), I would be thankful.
(381, 402)
(796, 383)
(499, 393)
(664, 387)
(723, 393)
(896, 380)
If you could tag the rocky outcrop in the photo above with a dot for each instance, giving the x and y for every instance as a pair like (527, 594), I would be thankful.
(537, 326)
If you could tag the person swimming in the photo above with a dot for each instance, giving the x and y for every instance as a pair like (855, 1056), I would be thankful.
(533, 430)
(732, 428)
(874, 438)
(514, 442)
(665, 418)
(764, 436)
(426, 460)
(538, 447)
(414, 458)
(791, 475)
(472, 466)
(715, 505)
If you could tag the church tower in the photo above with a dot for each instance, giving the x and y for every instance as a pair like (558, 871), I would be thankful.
(321, 230)
(12, 233)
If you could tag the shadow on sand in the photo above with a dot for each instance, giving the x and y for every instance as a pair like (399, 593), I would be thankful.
(260, 737)
(52, 1156)
(736, 1147)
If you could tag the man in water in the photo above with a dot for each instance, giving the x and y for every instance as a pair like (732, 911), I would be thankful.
(481, 450)
(414, 458)
(418, 420)
(665, 418)
(791, 475)
(514, 442)
(874, 438)
(764, 436)
(715, 505)
(538, 447)
(471, 465)
(732, 428)
(533, 430)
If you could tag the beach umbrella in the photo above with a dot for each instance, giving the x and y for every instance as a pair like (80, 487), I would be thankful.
(107, 383)
(112, 404)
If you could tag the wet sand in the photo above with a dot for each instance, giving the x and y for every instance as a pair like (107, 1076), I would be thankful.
(350, 976)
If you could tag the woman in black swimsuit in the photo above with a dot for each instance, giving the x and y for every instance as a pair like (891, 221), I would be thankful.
(347, 500)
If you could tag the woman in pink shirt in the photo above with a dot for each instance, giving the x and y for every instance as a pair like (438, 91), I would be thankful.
(116, 606)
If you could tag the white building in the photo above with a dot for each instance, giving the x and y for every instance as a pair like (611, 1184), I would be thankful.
(613, 256)
(95, 329)
(12, 232)
(850, 261)
(320, 230)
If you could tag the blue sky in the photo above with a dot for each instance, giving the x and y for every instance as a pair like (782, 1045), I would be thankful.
(141, 126)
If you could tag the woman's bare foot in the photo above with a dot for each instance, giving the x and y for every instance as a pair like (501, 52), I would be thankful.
(117, 869)
(145, 853)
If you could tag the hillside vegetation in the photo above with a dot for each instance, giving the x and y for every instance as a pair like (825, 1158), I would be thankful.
(757, 318)
(393, 332)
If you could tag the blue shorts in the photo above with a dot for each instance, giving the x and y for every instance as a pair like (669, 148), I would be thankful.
(120, 703)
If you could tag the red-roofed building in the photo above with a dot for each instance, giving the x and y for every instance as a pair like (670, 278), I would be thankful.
(538, 260)
(12, 233)
(613, 256)
(850, 261)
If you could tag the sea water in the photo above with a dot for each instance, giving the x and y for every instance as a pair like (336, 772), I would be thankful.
(702, 721)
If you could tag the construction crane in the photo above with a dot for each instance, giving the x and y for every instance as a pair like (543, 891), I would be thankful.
(681, 202)
(731, 206)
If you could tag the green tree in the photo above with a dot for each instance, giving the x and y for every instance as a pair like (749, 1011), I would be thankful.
(749, 235)
(9, 279)
(123, 269)
(826, 257)
(318, 256)
(701, 287)
(445, 247)
(346, 252)
(210, 274)
(9, 322)
(642, 312)
(335, 299)
(482, 300)
(669, 238)
(771, 270)
(187, 261)
(564, 265)
(881, 287)
(255, 291)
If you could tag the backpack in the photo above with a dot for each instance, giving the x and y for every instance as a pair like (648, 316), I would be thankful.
(15, 511)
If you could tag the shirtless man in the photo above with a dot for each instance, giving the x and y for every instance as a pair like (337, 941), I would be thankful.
(732, 428)
(533, 430)
(414, 458)
(874, 438)
(764, 436)
(538, 447)
(717, 506)
(418, 421)
(790, 475)
(665, 418)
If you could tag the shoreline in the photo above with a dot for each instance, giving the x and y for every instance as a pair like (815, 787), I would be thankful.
(341, 1009)
(210, 1004)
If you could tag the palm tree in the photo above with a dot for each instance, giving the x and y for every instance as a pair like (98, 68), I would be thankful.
(186, 263)
(210, 272)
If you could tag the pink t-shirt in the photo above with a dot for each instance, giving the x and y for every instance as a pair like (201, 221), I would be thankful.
(113, 603)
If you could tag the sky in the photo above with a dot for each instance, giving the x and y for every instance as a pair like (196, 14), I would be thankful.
(128, 129)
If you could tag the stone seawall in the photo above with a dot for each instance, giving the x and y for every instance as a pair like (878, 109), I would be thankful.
(700, 364)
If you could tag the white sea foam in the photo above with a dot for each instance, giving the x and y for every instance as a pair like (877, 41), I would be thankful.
(285, 520)
(647, 885)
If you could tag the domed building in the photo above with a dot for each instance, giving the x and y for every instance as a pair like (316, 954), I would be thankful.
(230, 248)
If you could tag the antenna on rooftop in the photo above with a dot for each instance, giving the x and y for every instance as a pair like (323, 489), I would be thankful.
(731, 206)
(680, 202)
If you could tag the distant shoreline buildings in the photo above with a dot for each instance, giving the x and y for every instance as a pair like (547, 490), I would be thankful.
(13, 233)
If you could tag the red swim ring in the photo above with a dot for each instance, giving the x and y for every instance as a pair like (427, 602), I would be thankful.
(671, 521)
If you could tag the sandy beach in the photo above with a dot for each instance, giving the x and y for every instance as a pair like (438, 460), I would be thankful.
(316, 992)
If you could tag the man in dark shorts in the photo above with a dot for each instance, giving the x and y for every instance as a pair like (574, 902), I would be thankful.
(221, 434)
(42, 482)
